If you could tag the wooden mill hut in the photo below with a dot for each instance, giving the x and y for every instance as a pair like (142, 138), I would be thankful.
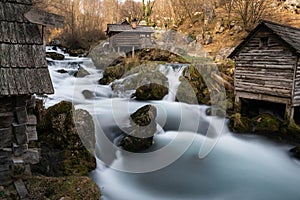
(23, 73)
(267, 66)
(124, 37)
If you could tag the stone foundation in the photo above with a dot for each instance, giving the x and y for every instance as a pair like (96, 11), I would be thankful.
(17, 130)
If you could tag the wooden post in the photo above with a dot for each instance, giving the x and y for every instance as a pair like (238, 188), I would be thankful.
(289, 112)
(237, 104)
(118, 49)
(133, 51)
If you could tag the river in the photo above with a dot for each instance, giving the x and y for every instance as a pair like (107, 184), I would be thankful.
(194, 156)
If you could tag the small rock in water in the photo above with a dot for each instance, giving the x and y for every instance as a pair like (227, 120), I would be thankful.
(55, 56)
(143, 127)
(88, 94)
(81, 73)
(62, 71)
(296, 152)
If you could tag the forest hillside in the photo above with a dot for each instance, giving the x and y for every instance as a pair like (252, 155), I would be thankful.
(217, 24)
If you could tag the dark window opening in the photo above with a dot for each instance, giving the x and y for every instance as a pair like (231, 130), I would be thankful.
(297, 114)
(252, 108)
(264, 42)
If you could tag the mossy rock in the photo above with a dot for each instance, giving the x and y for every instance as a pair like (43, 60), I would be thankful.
(193, 87)
(122, 65)
(76, 52)
(62, 151)
(141, 75)
(112, 73)
(159, 55)
(142, 129)
(240, 124)
(55, 56)
(152, 91)
(266, 123)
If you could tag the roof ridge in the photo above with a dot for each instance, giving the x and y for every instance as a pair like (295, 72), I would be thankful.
(277, 24)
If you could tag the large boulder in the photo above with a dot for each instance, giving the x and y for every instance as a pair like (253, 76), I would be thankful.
(152, 91)
(141, 131)
(112, 73)
(192, 89)
(62, 150)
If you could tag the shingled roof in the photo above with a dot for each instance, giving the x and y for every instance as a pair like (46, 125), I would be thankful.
(289, 35)
(23, 66)
(128, 28)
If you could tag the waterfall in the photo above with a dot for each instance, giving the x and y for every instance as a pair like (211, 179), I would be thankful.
(172, 72)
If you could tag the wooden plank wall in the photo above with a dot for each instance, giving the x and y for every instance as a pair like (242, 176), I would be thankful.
(265, 70)
(297, 85)
(126, 39)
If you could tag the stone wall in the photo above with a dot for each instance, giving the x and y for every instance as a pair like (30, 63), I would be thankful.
(17, 130)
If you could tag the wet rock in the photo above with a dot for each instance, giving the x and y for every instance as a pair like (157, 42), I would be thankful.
(76, 52)
(62, 71)
(112, 73)
(192, 89)
(62, 151)
(81, 73)
(137, 77)
(55, 56)
(85, 128)
(141, 131)
(152, 91)
(88, 94)
(103, 57)
(295, 152)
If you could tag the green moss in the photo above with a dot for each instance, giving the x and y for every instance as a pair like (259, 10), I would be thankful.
(62, 151)
(72, 187)
(266, 123)
(193, 87)
(240, 124)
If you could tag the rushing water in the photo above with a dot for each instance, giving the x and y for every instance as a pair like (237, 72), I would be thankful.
(238, 167)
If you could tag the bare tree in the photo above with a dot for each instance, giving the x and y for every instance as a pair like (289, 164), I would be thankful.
(250, 11)
(131, 9)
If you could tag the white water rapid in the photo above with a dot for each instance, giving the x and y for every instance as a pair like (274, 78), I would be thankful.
(238, 167)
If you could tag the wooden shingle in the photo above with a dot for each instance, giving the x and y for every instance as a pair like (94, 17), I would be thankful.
(23, 67)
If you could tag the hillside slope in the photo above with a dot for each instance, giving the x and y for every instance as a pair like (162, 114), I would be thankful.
(220, 33)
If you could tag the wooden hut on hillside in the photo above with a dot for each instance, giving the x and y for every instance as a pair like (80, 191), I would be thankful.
(126, 37)
(267, 66)
(23, 72)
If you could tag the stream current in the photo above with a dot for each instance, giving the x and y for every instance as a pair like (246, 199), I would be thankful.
(194, 156)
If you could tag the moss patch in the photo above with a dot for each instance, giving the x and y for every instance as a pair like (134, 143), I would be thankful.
(62, 188)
